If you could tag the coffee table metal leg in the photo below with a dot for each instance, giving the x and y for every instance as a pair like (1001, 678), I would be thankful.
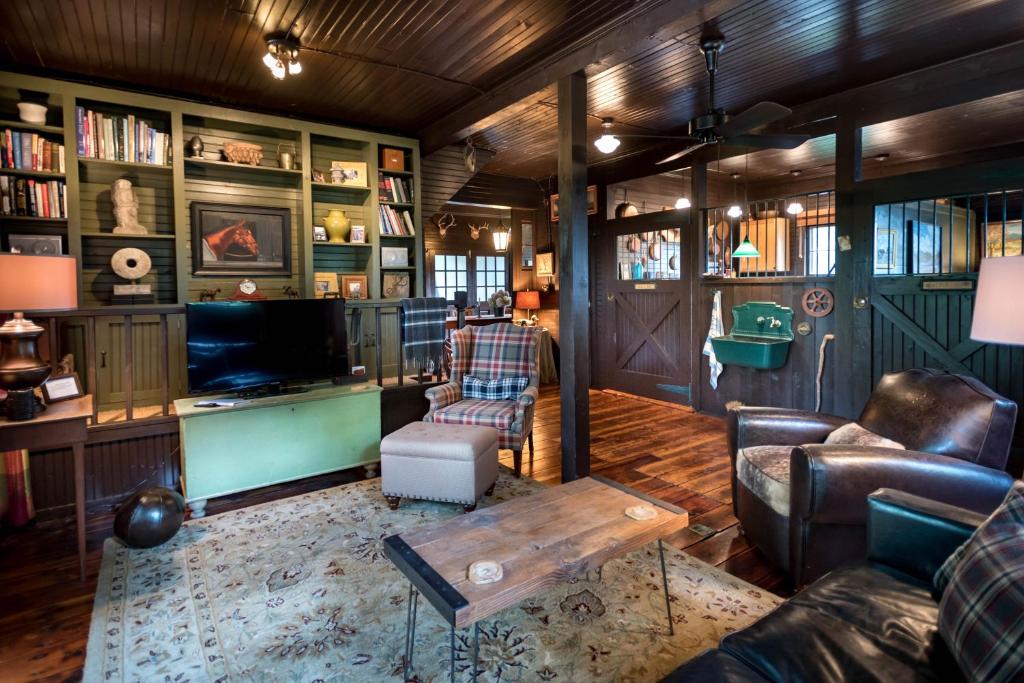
(410, 628)
(664, 583)
(476, 649)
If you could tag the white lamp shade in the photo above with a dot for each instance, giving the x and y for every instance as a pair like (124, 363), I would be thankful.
(996, 318)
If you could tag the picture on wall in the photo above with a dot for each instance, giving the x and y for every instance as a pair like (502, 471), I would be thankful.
(885, 250)
(324, 284)
(354, 287)
(233, 239)
(546, 264)
(591, 203)
(1004, 240)
(351, 173)
(395, 286)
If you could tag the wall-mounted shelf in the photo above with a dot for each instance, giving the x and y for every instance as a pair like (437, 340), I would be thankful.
(347, 245)
(334, 186)
(38, 127)
(241, 167)
(31, 174)
(403, 174)
(112, 163)
(399, 205)
(398, 237)
(405, 268)
(120, 236)
(34, 219)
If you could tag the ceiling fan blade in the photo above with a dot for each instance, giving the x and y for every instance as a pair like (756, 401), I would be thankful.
(682, 153)
(761, 114)
(769, 141)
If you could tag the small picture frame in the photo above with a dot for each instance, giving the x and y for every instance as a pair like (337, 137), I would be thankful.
(545, 264)
(395, 286)
(319, 233)
(591, 203)
(394, 257)
(318, 176)
(354, 287)
(62, 388)
(358, 234)
(352, 173)
(325, 284)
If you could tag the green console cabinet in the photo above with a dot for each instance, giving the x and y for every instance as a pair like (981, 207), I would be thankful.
(274, 439)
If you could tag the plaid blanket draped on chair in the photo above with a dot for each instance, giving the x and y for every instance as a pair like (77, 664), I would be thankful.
(423, 332)
(491, 352)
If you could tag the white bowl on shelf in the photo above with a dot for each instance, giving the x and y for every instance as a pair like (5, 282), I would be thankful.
(30, 112)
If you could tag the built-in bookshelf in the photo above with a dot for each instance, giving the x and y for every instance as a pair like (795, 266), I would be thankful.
(400, 228)
(109, 134)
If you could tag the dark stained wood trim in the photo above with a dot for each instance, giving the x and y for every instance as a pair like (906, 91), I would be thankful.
(619, 42)
(573, 272)
(698, 199)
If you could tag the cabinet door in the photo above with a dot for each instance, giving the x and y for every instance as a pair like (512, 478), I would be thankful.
(112, 357)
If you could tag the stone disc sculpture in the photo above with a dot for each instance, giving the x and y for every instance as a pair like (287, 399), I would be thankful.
(131, 263)
(126, 208)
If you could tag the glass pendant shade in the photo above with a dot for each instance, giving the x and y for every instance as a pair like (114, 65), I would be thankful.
(734, 211)
(682, 203)
(278, 71)
(794, 208)
(294, 68)
(746, 250)
(270, 60)
(607, 144)
(501, 237)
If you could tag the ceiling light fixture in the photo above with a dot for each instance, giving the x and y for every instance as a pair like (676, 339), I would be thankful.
(282, 57)
(882, 157)
(794, 208)
(501, 236)
(683, 203)
(734, 211)
(607, 143)
(746, 249)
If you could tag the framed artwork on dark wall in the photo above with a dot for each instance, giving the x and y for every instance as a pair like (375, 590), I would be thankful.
(233, 239)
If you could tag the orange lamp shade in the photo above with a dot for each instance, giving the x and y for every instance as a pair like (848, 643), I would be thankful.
(37, 283)
(528, 300)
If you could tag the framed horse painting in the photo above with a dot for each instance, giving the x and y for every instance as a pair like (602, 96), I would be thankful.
(234, 239)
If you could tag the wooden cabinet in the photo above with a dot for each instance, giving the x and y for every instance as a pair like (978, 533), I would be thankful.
(771, 237)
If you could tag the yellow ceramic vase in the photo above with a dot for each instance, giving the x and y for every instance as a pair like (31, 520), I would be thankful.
(337, 225)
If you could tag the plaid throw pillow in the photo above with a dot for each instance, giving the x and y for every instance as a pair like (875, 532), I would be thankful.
(981, 614)
(501, 389)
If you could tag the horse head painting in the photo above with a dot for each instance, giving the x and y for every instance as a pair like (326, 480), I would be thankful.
(232, 239)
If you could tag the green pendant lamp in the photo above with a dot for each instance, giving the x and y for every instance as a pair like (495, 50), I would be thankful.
(746, 249)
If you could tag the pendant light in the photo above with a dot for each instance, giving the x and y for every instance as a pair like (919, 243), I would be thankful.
(682, 203)
(734, 210)
(282, 57)
(607, 143)
(746, 249)
(794, 208)
(501, 236)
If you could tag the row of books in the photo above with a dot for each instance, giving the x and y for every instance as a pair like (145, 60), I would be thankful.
(396, 221)
(395, 189)
(120, 138)
(31, 197)
(30, 152)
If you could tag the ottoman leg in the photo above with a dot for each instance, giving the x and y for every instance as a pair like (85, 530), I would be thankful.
(517, 461)
(490, 489)
(469, 507)
(393, 501)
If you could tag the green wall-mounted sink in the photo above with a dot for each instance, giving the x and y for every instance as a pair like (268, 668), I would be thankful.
(761, 334)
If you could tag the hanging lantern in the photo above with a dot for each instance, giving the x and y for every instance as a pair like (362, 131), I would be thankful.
(501, 235)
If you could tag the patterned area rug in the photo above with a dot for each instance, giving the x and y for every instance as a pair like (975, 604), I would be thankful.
(300, 590)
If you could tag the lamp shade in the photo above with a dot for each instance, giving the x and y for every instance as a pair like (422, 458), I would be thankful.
(996, 320)
(746, 249)
(528, 300)
(37, 283)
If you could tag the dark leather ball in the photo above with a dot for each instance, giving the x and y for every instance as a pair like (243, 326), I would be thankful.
(149, 517)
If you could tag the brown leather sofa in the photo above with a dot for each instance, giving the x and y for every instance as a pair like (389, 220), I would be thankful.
(870, 621)
(804, 503)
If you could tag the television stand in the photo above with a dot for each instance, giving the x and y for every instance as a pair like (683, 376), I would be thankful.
(272, 439)
(274, 389)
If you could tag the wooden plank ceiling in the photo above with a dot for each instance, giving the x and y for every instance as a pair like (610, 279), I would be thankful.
(403, 66)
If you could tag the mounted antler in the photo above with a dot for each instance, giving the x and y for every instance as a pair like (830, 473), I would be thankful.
(443, 222)
(474, 230)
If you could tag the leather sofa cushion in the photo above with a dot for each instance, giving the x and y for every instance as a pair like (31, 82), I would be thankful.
(858, 623)
(440, 441)
(764, 471)
(713, 666)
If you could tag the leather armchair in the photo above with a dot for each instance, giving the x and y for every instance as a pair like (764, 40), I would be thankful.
(804, 503)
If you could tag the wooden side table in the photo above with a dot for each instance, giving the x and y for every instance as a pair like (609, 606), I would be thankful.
(59, 426)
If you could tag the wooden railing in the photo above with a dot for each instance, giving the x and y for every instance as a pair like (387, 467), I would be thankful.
(99, 338)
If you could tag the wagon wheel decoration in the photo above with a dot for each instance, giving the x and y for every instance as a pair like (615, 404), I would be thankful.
(818, 302)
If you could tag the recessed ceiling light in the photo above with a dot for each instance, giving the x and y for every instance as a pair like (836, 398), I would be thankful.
(881, 157)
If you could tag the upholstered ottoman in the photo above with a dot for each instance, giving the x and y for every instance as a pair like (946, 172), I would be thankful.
(445, 462)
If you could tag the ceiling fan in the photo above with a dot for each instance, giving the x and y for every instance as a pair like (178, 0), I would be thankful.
(716, 125)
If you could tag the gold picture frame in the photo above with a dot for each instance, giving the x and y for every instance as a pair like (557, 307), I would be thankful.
(354, 287)
(324, 284)
(591, 203)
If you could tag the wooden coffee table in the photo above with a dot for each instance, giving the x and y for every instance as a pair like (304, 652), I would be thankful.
(540, 541)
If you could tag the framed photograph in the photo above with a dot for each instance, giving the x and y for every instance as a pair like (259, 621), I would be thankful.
(233, 239)
(36, 245)
(885, 250)
(394, 257)
(318, 176)
(62, 388)
(395, 286)
(325, 284)
(546, 264)
(591, 203)
(354, 287)
(358, 234)
(319, 233)
(349, 173)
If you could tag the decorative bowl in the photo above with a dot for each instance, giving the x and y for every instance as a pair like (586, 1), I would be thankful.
(243, 153)
(30, 112)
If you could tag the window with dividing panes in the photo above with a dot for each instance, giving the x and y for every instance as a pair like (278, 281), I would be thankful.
(478, 275)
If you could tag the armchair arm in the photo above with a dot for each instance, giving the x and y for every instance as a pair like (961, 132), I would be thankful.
(527, 398)
(523, 423)
(749, 426)
(830, 484)
(913, 534)
(441, 396)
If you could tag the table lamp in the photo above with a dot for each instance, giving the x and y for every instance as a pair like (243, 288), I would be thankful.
(995, 319)
(29, 283)
(528, 300)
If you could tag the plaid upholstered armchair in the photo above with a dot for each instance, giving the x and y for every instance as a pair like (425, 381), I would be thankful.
(493, 352)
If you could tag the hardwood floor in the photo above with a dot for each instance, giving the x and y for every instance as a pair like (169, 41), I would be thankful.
(668, 451)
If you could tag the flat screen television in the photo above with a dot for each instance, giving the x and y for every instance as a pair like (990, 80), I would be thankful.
(242, 345)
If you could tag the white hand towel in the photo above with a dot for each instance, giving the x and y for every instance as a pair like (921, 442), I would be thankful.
(716, 329)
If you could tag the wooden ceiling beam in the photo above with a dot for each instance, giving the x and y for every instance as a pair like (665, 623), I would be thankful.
(615, 43)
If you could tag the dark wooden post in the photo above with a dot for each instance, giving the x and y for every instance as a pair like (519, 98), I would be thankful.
(574, 274)
(853, 311)
(699, 313)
